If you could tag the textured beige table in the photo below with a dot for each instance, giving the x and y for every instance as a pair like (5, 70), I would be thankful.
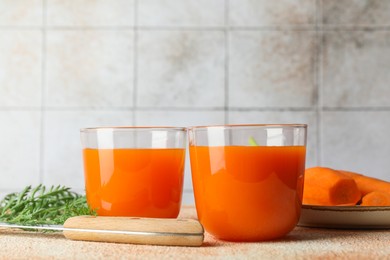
(301, 243)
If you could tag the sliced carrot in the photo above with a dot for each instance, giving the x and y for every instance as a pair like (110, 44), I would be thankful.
(376, 198)
(368, 184)
(328, 187)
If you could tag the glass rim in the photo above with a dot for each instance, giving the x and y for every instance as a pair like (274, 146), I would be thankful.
(133, 128)
(233, 126)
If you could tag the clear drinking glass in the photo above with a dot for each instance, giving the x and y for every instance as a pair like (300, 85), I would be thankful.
(134, 171)
(248, 179)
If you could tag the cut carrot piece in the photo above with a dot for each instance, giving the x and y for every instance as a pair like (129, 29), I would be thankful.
(376, 198)
(328, 187)
(368, 184)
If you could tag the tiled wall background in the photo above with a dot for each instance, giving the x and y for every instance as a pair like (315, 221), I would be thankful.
(65, 65)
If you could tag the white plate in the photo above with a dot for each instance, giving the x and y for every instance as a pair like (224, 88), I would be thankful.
(349, 217)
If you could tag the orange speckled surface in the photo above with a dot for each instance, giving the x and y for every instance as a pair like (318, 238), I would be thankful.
(302, 243)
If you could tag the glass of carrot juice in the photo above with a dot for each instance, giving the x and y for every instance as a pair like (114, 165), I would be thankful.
(134, 171)
(248, 179)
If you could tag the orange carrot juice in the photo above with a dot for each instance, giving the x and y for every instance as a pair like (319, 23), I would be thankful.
(248, 193)
(134, 182)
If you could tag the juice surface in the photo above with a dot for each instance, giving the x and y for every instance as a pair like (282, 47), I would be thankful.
(134, 182)
(248, 193)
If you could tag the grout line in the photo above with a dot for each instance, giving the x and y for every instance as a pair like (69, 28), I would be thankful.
(356, 109)
(11, 108)
(282, 27)
(330, 27)
(227, 61)
(319, 70)
(195, 109)
(273, 28)
(20, 28)
(337, 28)
(319, 14)
(181, 28)
(135, 63)
(43, 95)
(293, 109)
(157, 28)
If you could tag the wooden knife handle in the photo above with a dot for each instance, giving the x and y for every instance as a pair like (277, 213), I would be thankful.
(150, 231)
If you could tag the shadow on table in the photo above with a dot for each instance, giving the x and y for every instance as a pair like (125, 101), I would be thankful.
(299, 234)
(311, 234)
(32, 234)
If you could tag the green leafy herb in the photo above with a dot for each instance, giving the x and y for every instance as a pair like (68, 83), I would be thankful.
(43, 206)
(252, 141)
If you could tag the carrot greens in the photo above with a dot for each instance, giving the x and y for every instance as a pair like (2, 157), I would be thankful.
(43, 206)
(252, 141)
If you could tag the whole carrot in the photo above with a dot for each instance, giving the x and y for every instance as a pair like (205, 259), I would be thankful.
(368, 184)
(376, 198)
(328, 187)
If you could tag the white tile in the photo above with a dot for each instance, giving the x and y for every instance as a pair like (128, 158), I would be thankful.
(80, 191)
(355, 69)
(62, 147)
(20, 68)
(19, 149)
(21, 12)
(272, 69)
(90, 68)
(180, 69)
(188, 198)
(284, 117)
(90, 13)
(357, 141)
(268, 13)
(356, 12)
(183, 119)
(181, 13)
(5, 193)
